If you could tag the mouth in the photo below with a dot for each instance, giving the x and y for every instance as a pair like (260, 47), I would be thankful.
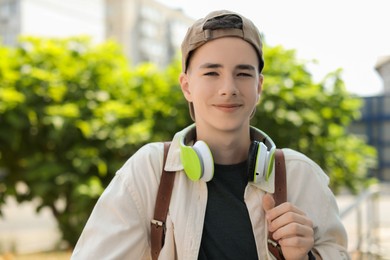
(228, 107)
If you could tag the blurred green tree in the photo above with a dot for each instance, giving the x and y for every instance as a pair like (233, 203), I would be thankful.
(313, 118)
(71, 113)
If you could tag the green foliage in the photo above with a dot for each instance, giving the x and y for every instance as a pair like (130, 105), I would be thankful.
(313, 118)
(71, 113)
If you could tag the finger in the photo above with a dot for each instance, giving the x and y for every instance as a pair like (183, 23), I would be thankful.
(291, 217)
(297, 241)
(292, 230)
(288, 207)
(296, 247)
(268, 202)
(284, 208)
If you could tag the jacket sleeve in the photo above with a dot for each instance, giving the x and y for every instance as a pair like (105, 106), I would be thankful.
(119, 225)
(307, 188)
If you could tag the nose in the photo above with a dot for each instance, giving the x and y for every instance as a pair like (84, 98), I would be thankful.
(228, 87)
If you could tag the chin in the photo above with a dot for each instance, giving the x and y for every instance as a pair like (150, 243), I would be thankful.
(231, 125)
(224, 122)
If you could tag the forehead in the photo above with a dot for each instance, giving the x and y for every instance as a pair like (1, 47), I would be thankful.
(229, 50)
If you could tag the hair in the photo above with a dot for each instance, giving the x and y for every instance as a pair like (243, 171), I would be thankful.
(222, 22)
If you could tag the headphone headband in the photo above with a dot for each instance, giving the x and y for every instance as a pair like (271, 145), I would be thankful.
(255, 135)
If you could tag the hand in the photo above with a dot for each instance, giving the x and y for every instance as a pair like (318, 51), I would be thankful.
(291, 228)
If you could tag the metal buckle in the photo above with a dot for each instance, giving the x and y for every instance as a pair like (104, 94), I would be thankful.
(277, 246)
(157, 223)
(273, 243)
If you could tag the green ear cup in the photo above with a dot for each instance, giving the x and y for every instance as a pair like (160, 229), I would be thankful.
(271, 161)
(191, 163)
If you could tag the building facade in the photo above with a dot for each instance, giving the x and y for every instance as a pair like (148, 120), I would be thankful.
(375, 121)
(51, 18)
(383, 68)
(147, 30)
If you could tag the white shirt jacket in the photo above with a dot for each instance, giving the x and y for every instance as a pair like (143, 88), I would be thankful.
(119, 225)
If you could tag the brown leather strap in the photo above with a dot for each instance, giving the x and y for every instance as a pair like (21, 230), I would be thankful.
(161, 209)
(280, 196)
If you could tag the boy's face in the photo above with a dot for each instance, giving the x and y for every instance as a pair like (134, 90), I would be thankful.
(223, 83)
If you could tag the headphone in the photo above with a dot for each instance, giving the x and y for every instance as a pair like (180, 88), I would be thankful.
(198, 161)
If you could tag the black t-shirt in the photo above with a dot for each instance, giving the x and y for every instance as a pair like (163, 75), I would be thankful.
(227, 230)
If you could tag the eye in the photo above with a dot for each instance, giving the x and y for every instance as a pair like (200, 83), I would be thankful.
(244, 74)
(211, 73)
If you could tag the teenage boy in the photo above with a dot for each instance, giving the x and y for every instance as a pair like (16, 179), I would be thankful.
(221, 205)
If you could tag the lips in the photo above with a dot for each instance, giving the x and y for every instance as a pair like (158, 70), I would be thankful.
(228, 107)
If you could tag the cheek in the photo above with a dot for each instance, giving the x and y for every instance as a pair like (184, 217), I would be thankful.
(201, 91)
(198, 96)
(251, 93)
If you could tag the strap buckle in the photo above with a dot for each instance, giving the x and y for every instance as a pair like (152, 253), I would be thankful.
(277, 247)
(158, 223)
(273, 243)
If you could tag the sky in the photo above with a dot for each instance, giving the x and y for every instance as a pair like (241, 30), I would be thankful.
(348, 34)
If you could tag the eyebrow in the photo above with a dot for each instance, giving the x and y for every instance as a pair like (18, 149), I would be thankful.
(246, 67)
(210, 65)
(217, 65)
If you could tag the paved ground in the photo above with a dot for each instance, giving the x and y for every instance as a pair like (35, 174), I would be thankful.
(24, 232)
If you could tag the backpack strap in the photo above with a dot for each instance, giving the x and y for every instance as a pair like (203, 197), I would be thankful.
(161, 209)
(280, 196)
(164, 196)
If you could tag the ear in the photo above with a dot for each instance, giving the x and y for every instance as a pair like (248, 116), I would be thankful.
(260, 84)
(185, 86)
(260, 87)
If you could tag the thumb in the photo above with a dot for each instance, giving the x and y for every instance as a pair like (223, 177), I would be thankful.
(268, 202)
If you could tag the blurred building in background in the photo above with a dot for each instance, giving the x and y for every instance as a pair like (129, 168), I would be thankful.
(383, 68)
(375, 121)
(147, 30)
(51, 18)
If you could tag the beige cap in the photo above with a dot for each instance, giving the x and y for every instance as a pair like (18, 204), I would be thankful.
(197, 36)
